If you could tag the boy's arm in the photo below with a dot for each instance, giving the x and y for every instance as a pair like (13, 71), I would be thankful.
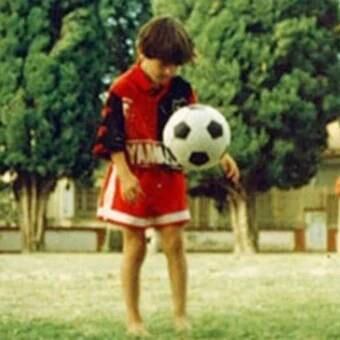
(122, 167)
(110, 135)
(109, 144)
(230, 167)
(130, 187)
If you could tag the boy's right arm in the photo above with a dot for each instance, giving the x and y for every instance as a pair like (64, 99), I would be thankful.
(110, 144)
(130, 187)
(110, 136)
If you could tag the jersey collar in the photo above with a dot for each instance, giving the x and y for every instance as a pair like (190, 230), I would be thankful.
(144, 82)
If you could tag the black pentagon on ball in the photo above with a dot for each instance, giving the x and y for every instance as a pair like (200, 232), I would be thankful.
(199, 158)
(215, 129)
(182, 130)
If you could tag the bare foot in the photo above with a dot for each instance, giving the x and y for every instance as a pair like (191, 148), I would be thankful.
(137, 329)
(182, 324)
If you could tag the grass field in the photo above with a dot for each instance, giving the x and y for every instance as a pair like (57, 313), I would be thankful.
(65, 296)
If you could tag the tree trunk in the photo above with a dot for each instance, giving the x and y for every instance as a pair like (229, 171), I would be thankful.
(243, 220)
(32, 193)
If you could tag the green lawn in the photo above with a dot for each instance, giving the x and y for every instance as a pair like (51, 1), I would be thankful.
(69, 296)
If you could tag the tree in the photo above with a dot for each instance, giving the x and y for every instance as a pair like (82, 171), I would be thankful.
(53, 55)
(122, 20)
(272, 68)
(51, 59)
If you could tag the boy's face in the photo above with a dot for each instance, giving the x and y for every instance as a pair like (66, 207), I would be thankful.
(159, 71)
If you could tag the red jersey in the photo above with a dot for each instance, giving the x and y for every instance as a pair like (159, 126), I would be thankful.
(138, 130)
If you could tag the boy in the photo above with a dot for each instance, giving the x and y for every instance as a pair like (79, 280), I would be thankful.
(142, 188)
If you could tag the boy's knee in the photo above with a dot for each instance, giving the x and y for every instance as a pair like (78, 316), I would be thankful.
(135, 244)
(173, 244)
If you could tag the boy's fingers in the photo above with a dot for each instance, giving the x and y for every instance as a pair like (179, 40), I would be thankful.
(132, 194)
(131, 197)
(236, 176)
(232, 172)
(140, 191)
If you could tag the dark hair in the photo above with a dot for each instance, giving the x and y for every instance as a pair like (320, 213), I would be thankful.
(165, 38)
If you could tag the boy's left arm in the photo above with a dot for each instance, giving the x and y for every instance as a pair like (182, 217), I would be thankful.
(230, 168)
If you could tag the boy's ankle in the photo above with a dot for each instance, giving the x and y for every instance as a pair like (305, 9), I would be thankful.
(137, 328)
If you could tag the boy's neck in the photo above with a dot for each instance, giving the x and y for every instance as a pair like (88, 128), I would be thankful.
(155, 85)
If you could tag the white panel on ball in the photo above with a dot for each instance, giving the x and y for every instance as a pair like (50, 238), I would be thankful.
(197, 135)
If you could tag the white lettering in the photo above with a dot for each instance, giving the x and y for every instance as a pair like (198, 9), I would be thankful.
(141, 155)
(132, 152)
(154, 153)
(148, 153)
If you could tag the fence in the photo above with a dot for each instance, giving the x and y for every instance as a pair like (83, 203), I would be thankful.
(275, 209)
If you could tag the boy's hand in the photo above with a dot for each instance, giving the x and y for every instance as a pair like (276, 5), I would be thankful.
(230, 168)
(129, 184)
(130, 187)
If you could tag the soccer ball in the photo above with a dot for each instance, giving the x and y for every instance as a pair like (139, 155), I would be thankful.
(197, 136)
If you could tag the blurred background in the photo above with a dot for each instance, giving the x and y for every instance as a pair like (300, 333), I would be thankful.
(271, 67)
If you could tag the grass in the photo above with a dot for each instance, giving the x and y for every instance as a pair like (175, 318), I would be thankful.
(78, 296)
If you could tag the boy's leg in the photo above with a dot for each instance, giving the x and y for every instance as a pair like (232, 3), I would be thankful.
(172, 241)
(134, 250)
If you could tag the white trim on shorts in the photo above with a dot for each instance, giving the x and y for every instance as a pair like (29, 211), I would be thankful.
(142, 222)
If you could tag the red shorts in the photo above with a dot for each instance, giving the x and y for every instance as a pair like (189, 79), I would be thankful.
(164, 202)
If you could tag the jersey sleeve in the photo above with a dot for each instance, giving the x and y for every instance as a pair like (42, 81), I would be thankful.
(110, 135)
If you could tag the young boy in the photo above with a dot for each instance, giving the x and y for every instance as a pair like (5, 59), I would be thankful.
(142, 187)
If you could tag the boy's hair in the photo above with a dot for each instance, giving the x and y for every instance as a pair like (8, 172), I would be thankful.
(165, 38)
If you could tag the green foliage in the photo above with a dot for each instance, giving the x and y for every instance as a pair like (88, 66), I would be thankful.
(122, 19)
(272, 68)
(36, 110)
(179, 9)
(53, 57)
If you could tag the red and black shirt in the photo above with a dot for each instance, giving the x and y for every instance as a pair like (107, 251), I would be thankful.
(138, 130)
